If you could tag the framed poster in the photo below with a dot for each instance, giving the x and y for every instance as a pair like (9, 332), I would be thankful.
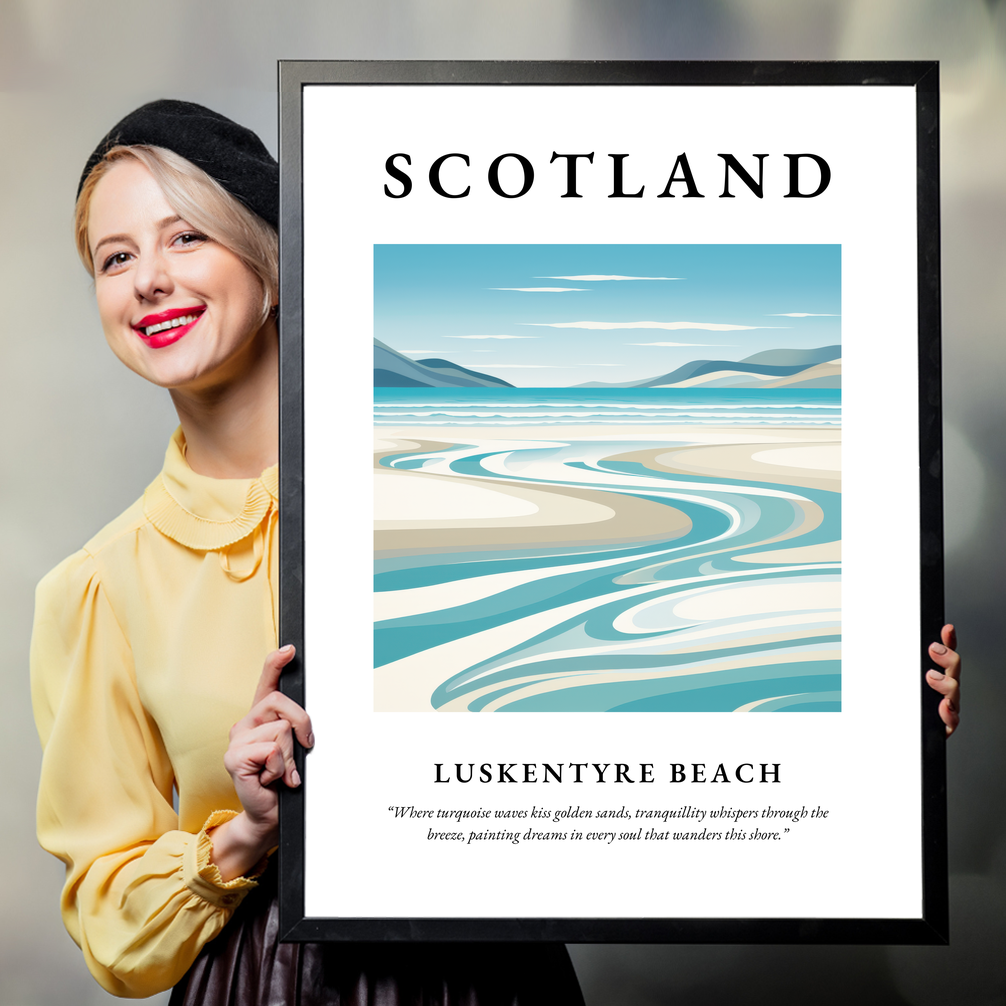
(611, 501)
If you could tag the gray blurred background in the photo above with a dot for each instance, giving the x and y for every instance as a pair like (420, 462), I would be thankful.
(83, 436)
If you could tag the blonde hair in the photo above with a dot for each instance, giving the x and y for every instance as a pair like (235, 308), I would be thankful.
(199, 200)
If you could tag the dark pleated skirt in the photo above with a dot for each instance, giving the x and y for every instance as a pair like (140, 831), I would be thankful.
(246, 965)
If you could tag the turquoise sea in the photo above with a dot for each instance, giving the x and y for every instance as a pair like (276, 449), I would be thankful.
(500, 407)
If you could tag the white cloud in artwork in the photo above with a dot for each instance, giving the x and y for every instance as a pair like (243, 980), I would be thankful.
(603, 279)
(540, 289)
(671, 326)
(802, 314)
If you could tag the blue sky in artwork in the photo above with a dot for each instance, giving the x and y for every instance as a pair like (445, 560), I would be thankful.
(560, 315)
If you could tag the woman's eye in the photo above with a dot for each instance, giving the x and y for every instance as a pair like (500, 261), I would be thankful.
(190, 238)
(114, 261)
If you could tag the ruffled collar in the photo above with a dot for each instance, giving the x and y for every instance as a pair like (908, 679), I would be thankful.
(203, 513)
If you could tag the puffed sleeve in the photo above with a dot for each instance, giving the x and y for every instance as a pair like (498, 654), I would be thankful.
(141, 897)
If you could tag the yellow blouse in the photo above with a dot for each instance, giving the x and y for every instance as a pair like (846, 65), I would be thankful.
(147, 647)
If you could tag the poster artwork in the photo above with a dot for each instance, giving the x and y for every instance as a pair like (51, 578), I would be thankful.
(607, 478)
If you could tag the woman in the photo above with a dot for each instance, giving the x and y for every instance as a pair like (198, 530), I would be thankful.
(149, 642)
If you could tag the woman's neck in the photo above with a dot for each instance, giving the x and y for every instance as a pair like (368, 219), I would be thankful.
(232, 426)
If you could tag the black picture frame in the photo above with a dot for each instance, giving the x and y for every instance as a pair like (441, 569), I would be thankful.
(931, 926)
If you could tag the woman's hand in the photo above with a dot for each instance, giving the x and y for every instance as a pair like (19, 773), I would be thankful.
(260, 753)
(948, 681)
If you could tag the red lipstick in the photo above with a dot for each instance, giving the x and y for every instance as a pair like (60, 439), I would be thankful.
(166, 327)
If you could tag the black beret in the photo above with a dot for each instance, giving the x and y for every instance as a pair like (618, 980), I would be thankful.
(231, 154)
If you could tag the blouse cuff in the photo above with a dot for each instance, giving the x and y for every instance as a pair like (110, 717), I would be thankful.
(202, 876)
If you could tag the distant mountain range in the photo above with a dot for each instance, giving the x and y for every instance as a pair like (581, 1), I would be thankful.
(773, 368)
(393, 370)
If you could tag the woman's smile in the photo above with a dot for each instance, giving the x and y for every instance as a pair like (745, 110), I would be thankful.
(167, 327)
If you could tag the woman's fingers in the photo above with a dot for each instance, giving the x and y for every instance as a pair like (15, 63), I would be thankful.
(949, 688)
(260, 761)
(270, 703)
(949, 636)
(274, 766)
(944, 654)
(277, 735)
(271, 671)
(947, 680)
(950, 716)
(277, 706)
(949, 710)
(261, 749)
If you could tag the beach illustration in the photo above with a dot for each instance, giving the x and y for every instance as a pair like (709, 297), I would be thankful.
(607, 478)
